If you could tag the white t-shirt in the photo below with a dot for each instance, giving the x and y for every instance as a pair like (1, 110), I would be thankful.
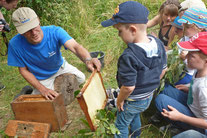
(150, 48)
(199, 94)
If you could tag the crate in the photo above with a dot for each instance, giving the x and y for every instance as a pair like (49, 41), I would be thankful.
(23, 129)
(35, 108)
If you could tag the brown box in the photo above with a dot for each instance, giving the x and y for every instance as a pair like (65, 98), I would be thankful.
(25, 129)
(35, 108)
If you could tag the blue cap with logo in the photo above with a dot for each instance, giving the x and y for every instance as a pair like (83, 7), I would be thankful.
(128, 12)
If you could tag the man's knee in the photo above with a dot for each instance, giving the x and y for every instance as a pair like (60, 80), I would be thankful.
(80, 78)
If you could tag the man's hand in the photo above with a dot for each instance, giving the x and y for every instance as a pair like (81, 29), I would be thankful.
(49, 94)
(94, 62)
(174, 114)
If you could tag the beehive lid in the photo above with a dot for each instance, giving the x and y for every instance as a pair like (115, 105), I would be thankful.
(27, 129)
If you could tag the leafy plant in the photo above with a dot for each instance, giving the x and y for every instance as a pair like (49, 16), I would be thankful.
(175, 67)
(2, 134)
(105, 126)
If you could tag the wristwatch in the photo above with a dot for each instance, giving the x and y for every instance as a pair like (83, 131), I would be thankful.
(87, 60)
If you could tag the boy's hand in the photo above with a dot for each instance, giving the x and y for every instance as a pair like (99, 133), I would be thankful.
(125, 91)
(120, 105)
(174, 114)
(183, 55)
(182, 87)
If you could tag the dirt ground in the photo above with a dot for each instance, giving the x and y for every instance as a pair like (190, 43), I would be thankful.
(75, 113)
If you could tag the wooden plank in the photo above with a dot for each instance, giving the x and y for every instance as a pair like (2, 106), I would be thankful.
(27, 129)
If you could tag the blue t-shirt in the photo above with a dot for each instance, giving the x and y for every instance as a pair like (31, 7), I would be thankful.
(43, 59)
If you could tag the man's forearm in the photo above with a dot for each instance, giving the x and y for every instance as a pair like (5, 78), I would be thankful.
(77, 49)
(30, 78)
(82, 53)
(47, 93)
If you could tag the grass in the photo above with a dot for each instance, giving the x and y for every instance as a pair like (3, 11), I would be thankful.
(81, 19)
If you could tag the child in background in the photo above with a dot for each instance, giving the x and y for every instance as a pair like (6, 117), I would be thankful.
(177, 29)
(167, 13)
(184, 6)
(186, 107)
(140, 66)
(191, 4)
(194, 21)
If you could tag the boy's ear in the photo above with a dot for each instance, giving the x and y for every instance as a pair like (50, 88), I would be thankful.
(133, 29)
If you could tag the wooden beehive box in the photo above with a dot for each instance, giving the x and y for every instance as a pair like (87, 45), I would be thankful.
(23, 129)
(93, 97)
(35, 108)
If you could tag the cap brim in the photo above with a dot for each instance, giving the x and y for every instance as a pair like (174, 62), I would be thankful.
(107, 23)
(177, 26)
(28, 26)
(181, 20)
(187, 46)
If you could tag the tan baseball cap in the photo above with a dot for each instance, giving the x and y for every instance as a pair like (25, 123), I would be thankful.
(25, 19)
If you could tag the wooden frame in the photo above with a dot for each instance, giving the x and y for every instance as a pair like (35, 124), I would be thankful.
(98, 98)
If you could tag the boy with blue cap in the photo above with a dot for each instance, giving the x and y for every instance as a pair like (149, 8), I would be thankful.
(140, 66)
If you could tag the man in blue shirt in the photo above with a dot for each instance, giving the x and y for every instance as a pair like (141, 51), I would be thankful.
(36, 52)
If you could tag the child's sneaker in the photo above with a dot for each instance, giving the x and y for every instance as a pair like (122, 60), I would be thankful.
(171, 128)
(112, 97)
(112, 93)
(156, 118)
(112, 103)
